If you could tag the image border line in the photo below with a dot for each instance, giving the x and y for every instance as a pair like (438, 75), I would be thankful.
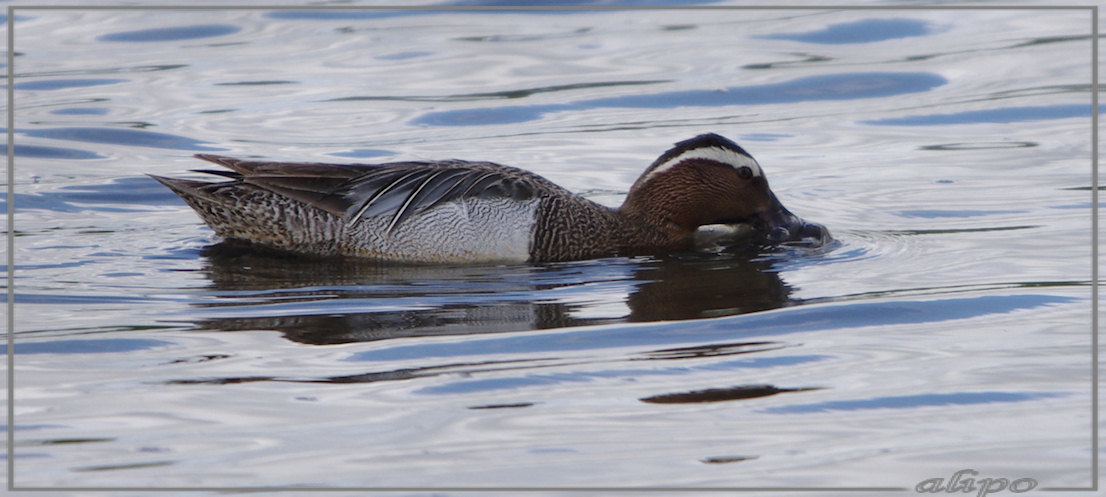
(10, 304)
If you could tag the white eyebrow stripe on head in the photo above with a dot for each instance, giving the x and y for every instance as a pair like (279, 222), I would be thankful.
(717, 154)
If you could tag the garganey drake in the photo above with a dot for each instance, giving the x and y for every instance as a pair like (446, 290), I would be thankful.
(456, 211)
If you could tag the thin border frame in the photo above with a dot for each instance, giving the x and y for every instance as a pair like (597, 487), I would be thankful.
(1093, 9)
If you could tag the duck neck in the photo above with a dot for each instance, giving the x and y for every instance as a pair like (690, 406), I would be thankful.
(654, 228)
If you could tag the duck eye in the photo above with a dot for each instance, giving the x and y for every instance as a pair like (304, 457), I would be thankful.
(745, 172)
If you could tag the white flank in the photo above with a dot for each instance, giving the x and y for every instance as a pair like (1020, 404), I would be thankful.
(718, 154)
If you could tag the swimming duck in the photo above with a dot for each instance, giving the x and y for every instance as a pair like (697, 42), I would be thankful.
(453, 211)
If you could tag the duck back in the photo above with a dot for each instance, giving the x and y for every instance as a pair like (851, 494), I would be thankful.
(446, 211)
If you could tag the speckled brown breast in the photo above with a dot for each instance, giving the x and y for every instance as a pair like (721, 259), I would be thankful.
(569, 227)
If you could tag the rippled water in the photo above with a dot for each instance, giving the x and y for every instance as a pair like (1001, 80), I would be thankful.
(947, 328)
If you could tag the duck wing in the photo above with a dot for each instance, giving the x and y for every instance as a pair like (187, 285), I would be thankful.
(399, 189)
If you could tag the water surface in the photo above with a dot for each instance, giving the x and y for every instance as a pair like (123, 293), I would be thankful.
(947, 328)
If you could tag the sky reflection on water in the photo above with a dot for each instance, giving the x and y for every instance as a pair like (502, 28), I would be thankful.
(949, 319)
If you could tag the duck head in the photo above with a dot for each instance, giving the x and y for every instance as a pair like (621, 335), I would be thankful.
(710, 180)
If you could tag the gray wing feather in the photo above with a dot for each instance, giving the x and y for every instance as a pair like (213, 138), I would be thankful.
(407, 192)
(401, 189)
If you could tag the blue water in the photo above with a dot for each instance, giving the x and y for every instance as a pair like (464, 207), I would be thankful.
(758, 324)
(171, 34)
(946, 327)
(862, 31)
(1007, 115)
(813, 88)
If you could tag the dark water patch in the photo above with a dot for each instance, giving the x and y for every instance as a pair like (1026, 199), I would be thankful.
(790, 320)
(411, 54)
(422, 372)
(200, 359)
(504, 94)
(764, 137)
(534, 380)
(119, 195)
(36, 267)
(864, 31)
(940, 213)
(259, 83)
(1080, 206)
(806, 59)
(712, 350)
(517, 405)
(953, 231)
(762, 362)
(979, 146)
(223, 381)
(99, 346)
(45, 298)
(61, 84)
(117, 136)
(118, 467)
(468, 370)
(22, 427)
(1005, 115)
(1048, 40)
(136, 191)
(847, 86)
(178, 253)
(486, 116)
(155, 68)
(952, 289)
(740, 392)
(522, 38)
(364, 153)
(172, 34)
(526, 92)
(511, 383)
(26, 455)
(81, 111)
(726, 459)
(75, 441)
(42, 152)
(464, 369)
(912, 401)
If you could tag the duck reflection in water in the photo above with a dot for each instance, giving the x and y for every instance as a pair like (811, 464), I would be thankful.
(342, 300)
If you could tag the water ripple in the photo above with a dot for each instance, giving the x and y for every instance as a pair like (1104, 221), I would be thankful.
(911, 401)
(172, 34)
(786, 321)
(61, 84)
(1003, 115)
(115, 136)
(847, 86)
(862, 31)
(43, 152)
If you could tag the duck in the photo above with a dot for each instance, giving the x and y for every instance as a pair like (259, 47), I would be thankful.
(459, 211)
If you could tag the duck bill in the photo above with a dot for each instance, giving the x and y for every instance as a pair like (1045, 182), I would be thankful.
(777, 223)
